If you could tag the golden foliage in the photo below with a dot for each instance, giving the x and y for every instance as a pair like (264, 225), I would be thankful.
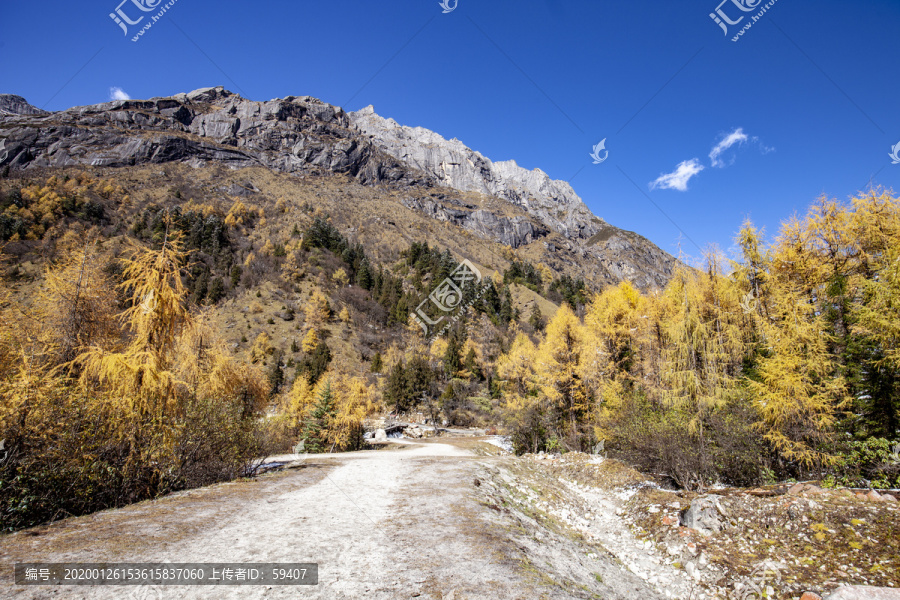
(45, 205)
(76, 304)
(142, 372)
(340, 278)
(310, 341)
(353, 400)
(170, 356)
(318, 309)
(262, 347)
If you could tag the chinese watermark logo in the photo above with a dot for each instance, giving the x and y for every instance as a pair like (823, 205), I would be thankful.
(895, 154)
(447, 298)
(722, 17)
(123, 20)
(149, 303)
(596, 153)
(759, 584)
(448, 8)
(748, 302)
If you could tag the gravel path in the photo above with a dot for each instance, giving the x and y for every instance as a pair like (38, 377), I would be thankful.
(398, 523)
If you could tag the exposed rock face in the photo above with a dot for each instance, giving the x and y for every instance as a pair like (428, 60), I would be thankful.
(554, 204)
(304, 135)
(457, 166)
(514, 232)
(10, 104)
(204, 126)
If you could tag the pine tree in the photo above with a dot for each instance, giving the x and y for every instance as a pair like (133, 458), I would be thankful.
(451, 358)
(276, 372)
(470, 363)
(315, 430)
(506, 307)
(377, 364)
(396, 390)
(536, 320)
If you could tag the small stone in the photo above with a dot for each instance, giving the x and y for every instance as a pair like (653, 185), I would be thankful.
(690, 569)
(888, 498)
(810, 596)
(874, 496)
(796, 489)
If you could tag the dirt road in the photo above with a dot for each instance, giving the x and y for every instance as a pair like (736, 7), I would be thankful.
(396, 523)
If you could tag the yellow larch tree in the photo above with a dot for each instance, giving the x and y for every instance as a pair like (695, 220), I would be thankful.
(310, 341)
(558, 377)
(142, 374)
(77, 304)
(614, 325)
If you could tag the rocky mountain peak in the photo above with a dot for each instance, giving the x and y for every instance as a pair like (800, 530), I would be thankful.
(444, 179)
(10, 104)
(456, 165)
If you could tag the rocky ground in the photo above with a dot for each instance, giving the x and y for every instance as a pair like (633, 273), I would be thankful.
(775, 542)
(461, 518)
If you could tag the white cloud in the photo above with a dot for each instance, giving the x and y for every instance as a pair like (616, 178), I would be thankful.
(678, 179)
(735, 137)
(117, 93)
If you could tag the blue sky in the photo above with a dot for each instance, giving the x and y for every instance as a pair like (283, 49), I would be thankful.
(809, 94)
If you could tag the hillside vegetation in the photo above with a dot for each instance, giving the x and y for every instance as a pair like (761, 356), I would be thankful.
(161, 330)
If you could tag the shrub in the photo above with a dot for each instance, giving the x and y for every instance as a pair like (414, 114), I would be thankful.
(874, 462)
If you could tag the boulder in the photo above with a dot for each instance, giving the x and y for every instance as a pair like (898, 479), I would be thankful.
(705, 515)
(796, 489)
(864, 592)
(380, 436)
(874, 496)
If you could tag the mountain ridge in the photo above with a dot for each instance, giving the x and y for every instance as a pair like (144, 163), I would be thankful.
(447, 159)
(301, 135)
